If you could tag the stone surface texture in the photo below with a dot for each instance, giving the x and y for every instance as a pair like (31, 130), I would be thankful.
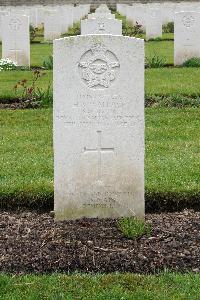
(98, 127)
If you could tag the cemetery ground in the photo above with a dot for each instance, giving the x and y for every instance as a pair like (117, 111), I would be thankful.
(31, 242)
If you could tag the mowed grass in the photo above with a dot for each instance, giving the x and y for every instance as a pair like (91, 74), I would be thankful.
(168, 286)
(171, 167)
(172, 81)
(163, 82)
(40, 52)
(172, 155)
(162, 49)
(27, 156)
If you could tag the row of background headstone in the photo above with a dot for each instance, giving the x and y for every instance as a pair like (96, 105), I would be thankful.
(37, 14)
(186, 18)
(167, 10)
(101, 22)
(15, 28)
(57, 22)
(94, 3)
(187, 26)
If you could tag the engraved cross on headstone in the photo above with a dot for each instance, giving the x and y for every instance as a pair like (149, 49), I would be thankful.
(15, 24)
(14, 54)
(99, 151)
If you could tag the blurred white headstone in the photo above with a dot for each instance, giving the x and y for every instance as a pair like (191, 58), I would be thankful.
(186, 36)
(16, 39)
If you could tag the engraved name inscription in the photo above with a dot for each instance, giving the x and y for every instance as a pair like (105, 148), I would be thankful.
(96, 110)
(110, 200)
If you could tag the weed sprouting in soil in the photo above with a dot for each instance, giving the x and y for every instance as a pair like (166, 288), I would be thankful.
(133, 228)
(48, 63)
(30, 94)
(155, 61)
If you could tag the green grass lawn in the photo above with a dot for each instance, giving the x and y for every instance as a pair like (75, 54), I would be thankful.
(172, 154)
(162, 49)
(163, 82)
(168, 286)
(172, 157)
(39, 52)
(168, 81)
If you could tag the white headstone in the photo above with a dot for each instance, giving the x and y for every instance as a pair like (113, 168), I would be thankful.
(168, 10)
(101, 16)
(16, 39)
(153, 23)
(184, 6)
(139, 14)
(52, 25)
(101, 26)
(122, 9)
(98, 127)
(186, 36)
(33, 16)
(130, 13)
(40, 15)
(66, 15)
(2, 13)
(103, 8)
(77, 13)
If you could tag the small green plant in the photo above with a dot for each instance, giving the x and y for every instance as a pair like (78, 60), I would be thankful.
(168, 28)
(192, 62)
(133, 228)
(48, 63)
(30, 94)
(33, 32)
(7, 64)
(155, 61)
(45, 96)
